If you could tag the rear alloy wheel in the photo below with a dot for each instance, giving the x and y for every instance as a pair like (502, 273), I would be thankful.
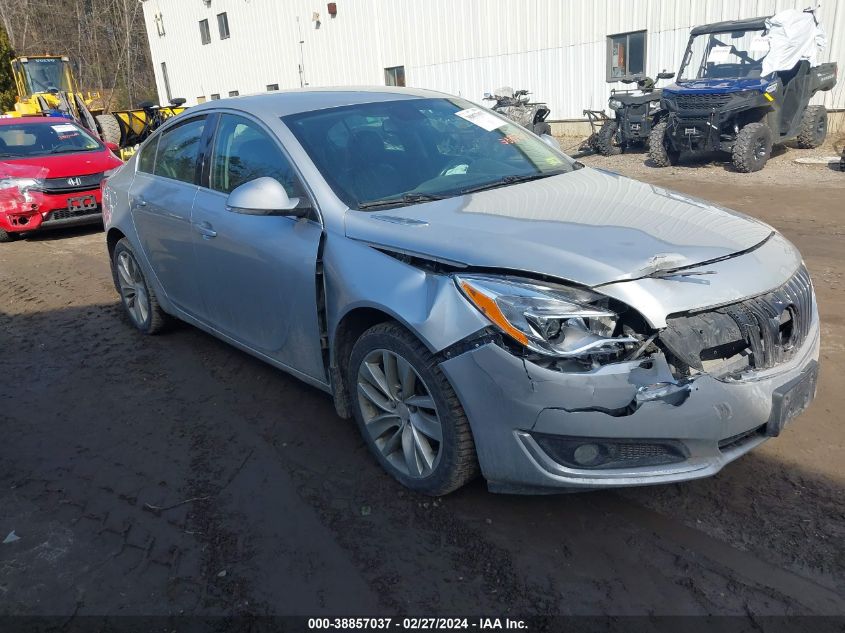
(606, 139)
(813, 128)
(658, 147)
(752, 148)
(138, 298)
(408, 412)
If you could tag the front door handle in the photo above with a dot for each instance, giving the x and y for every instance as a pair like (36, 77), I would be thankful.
(139, 200)
(205, 229)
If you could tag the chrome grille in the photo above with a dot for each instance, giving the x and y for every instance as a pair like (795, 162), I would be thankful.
(777, 323)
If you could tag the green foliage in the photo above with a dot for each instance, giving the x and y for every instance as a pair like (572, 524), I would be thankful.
(7, 81)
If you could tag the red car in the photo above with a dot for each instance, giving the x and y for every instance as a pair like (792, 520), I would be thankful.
(50, 174)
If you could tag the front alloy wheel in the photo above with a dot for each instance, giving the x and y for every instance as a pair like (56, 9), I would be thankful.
(138, 298)
(408, 413)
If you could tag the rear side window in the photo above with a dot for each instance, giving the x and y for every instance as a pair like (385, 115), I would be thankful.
(147, 159)
(178, 150)
(244, 152)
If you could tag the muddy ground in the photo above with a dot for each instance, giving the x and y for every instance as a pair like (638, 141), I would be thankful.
(175, 474)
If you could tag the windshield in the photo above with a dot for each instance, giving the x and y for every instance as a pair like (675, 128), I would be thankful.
(413, 150)
(45, 74)
(24, 140)
(729, 55)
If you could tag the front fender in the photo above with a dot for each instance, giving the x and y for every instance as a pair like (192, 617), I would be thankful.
(426, 302)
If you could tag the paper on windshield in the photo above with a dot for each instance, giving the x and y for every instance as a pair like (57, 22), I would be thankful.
(64, 128)
(719, 54)
(482, 119)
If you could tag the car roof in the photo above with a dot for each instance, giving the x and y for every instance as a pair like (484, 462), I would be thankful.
(749, 24)
(285, 102)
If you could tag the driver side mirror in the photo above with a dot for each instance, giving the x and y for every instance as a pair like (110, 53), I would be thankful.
(665, 75)
(263, 196)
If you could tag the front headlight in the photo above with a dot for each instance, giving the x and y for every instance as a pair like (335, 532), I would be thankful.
(560, 322)
(21, 184)
(614, 104)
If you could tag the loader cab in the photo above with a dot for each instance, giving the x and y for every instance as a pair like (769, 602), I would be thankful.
(43, 74)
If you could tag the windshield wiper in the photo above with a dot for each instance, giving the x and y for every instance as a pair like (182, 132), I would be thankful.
(401, 201)
(510, 180)
(67, 150)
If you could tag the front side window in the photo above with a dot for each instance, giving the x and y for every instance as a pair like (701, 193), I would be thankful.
(205, 33)
(178, 150)
(24, 140)
(411, 149)
(626, 56)
(243, 152)
(729, 55)
(147, 159)
(223, 25)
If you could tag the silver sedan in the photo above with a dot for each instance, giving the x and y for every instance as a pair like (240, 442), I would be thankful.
(474, 298)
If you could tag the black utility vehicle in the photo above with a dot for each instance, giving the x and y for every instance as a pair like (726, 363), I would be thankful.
(635, 114)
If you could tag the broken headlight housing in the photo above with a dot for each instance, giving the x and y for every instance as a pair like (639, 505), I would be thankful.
(554, 321)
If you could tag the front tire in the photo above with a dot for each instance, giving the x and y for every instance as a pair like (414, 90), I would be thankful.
(752, 148)
(6, 236)
(109, 128)
(658, 147)
(138, 298)
(813, 128)
(408, 413)
(606, 139)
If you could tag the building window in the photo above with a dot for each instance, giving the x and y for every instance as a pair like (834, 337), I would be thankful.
(626, 55)
(272, 87)
(234, 93)
(223, 25)
(394, 76)
(159, 19)
(166, 81)
(215, 97)
(205, 34)
(201, 99)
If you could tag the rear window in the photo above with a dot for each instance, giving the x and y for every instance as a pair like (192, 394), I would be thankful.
(25, 140)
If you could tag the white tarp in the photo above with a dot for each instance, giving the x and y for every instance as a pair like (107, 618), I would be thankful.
(792, 35)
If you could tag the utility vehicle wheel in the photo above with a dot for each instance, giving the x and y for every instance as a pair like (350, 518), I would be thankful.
(542, 128)
(5, 236)
(658, 148)
(139, 300)
(752, 148)
(408, 412)
(606, 139)
(813, 127)
(109, 128)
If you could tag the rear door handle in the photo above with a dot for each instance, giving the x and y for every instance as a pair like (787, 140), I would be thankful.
(139, 200)
(205, 229)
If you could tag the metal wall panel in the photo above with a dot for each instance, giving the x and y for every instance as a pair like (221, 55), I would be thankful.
(555, 48)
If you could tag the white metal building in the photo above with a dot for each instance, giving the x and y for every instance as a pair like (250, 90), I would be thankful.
(567, 52)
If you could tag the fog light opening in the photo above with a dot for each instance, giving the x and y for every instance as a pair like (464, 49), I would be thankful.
(587, 454)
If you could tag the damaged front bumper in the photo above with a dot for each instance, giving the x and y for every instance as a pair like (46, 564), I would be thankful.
(638, 423)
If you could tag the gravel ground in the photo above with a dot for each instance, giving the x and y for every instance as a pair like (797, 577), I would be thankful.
(177, 475)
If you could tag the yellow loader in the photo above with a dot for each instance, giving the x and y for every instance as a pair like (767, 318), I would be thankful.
(46, 86)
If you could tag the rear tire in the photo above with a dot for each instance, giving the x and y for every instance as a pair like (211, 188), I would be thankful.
(606, 139)
(138, 298)
(813, 129)
(658, 148)
(109, 128)
(400, 413)
(752, 148)
(542, 128)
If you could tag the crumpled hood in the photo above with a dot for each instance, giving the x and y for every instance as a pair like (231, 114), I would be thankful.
(60, 165)
(589, 226)
(717, 86)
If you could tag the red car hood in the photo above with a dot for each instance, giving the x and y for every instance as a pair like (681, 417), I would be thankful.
(60, 166)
